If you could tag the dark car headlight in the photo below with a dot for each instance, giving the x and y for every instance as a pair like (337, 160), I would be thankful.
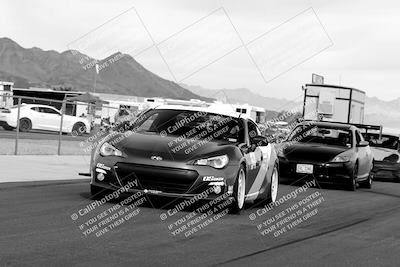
(217, 162)
(108, 150)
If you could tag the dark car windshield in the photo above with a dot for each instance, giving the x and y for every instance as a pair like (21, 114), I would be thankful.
(387, 141)
(190, 124)
(323, 135)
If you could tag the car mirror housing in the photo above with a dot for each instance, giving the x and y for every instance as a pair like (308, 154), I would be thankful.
(259, 140)
(363, 144)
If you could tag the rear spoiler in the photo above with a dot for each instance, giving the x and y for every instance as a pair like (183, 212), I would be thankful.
(367, 127)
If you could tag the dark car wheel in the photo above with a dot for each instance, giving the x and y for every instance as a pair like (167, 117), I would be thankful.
(273, 193)
(25, 125)
(367, 183)
(239, 192)
(353, 182)
(78, 129)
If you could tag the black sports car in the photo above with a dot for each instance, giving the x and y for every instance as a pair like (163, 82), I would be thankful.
(182, 151)
(331, 153)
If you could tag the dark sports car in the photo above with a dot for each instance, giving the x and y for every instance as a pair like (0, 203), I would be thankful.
(331, 153)
(182, 151)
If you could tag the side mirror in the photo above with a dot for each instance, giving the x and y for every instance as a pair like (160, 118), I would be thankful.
(259, 140)
(363, 144)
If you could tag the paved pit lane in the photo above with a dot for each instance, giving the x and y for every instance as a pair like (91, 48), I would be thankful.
(348, 229)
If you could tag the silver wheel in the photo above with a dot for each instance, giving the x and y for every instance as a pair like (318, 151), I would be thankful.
(274, 184)
(241, 188)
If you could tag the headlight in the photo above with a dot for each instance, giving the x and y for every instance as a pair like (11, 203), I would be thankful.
(216, 162)
(108, 150)
(341, 158)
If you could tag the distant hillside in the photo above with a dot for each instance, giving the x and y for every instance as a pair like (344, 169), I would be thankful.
(35, 67)
(386, 113)
(243, 96)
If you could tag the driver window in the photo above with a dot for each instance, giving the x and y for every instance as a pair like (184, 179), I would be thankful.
(48, 110)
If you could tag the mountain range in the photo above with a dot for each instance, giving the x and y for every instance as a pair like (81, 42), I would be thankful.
(120, 73)
(377, 111)
(245, 96)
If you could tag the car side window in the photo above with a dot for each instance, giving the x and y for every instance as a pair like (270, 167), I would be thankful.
(47, 110)
(35, 109)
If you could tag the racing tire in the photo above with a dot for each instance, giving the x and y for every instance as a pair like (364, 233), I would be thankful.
(25, 125)
(239, 192)
(353, 183)
(367, 183)
(273, 191)
(78, 129)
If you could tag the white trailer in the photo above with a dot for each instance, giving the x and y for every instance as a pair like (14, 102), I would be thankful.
(333, 103)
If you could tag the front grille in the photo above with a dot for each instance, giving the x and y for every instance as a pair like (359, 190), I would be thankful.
(169, 180)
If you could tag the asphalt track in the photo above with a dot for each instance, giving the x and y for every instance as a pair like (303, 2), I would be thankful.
(359, 228)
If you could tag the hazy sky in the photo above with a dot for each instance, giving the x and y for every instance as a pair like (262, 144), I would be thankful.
(270, 47)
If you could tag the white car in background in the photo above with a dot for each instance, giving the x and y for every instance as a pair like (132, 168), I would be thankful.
(42, 117)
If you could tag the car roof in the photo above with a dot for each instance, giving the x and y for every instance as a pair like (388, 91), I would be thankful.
(222, 111)
(37, 105)
(330, 124)
(383, 134)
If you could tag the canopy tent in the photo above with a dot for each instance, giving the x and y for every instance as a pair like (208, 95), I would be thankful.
(87, 98)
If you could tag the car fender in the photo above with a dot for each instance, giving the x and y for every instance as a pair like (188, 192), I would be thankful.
(85, 122)
(263, 178)
(12, 120)
(71, 120)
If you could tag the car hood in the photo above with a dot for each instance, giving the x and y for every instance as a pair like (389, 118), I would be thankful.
(310, 152)
(385, 154)
(146, 145)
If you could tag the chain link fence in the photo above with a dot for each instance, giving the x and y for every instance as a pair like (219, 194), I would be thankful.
(40, 126)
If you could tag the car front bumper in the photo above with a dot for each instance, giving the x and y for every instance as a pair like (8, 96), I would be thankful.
(178, 181)
(386, 170)
(324, 173)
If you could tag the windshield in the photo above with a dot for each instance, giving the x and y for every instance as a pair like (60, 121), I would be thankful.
(387, 141)
(323, 135)
(190, 124)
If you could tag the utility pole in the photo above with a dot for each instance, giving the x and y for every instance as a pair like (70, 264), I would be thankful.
(95, 77)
